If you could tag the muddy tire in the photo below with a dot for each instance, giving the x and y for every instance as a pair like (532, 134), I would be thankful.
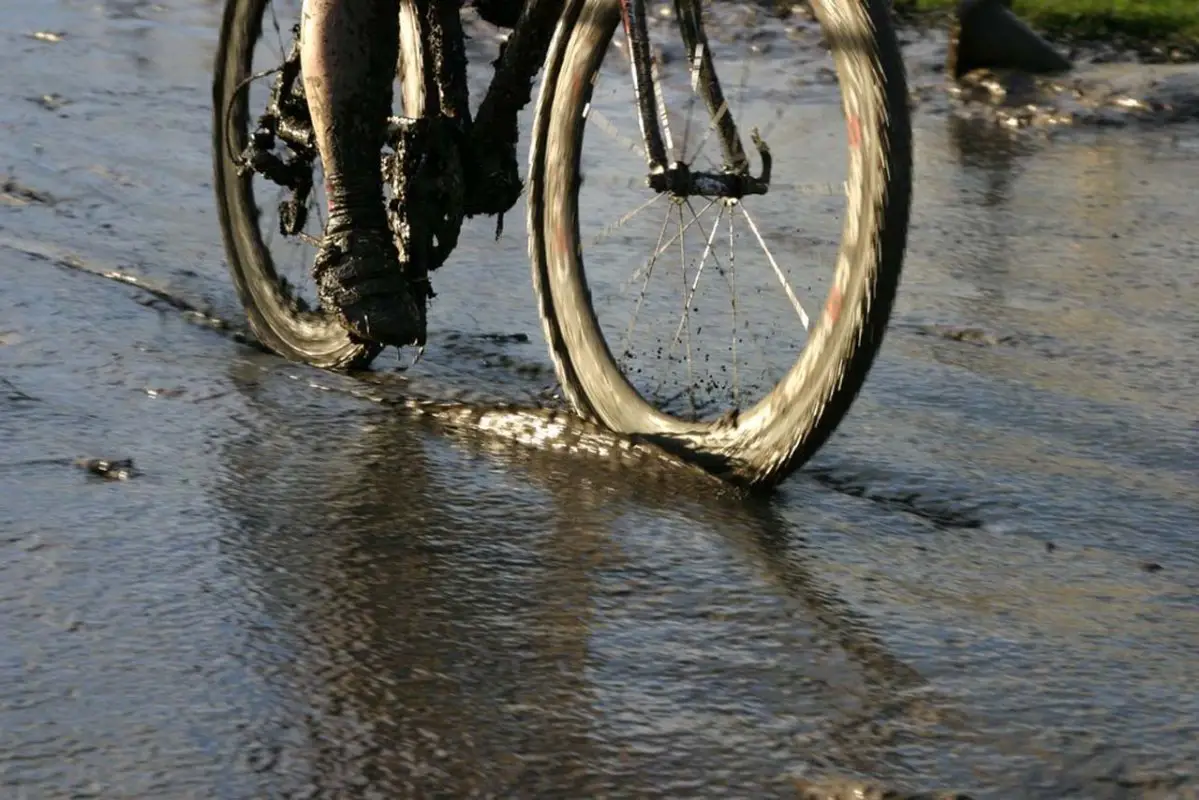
(279, 320)
(760, 445)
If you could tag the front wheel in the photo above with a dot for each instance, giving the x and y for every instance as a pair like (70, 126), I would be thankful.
(751, 407)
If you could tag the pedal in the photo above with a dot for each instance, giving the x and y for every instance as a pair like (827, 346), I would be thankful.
(292, 217)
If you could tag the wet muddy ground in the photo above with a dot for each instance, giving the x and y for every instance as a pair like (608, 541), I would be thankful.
(987, 581)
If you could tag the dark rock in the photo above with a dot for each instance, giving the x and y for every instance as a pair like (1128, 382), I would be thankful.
(987, 34)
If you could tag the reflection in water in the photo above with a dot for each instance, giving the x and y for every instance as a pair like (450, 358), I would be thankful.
(431, 648)
(989, 158)
(1100, 185)
(434, 619)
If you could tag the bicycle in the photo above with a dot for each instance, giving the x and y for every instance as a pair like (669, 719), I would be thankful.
(444, 164)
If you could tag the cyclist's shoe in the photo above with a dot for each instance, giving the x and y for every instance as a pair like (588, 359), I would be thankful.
(358, 276)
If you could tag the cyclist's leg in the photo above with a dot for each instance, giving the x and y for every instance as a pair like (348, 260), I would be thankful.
(503, 13)
(348, 55)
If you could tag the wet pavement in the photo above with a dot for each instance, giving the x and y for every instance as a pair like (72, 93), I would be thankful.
(987, 581)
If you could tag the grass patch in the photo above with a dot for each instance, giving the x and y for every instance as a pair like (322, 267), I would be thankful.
(1144, 20)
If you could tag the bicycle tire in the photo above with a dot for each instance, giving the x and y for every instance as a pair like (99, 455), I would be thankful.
(760, 446)
(276, 317)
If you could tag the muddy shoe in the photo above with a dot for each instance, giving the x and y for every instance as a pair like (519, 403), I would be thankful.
(358, 275)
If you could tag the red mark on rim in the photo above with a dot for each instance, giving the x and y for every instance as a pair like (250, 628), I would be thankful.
(854, 123)
(833, 307)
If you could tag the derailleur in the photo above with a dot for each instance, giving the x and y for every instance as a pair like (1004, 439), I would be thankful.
(285, 120)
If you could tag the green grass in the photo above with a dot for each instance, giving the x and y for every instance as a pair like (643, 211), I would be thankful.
(1145, 20)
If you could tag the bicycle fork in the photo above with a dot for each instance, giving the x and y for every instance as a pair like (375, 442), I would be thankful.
(673, 176)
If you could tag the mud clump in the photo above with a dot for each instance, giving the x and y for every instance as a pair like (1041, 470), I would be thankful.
(121, 469)
(50, 102)
(12, 192)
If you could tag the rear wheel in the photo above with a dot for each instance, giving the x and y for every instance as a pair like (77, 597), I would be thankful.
(272, 216)
(764, 376)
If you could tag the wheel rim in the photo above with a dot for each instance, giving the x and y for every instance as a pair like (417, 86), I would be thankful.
(285, 261)
(634, 408)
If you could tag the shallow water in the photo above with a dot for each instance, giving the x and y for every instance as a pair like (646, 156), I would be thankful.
(986, 581)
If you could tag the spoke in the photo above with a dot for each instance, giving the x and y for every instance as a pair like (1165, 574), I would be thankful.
(733, 284)
(754, 339)
(652, 138)
(658, 250)
(686, 312)
(666, 245)
(730, 279)
(663, 115)
(730, 274)
(699, 271)
(778, 115)
(724, 109)
(705, 81)
(697, 60)
(705, 234)
(691, 98)
(740, 114)
(803, 316)
(741, 88)
(679, 118)
(607, 127)
(624, 220)
(659, 101)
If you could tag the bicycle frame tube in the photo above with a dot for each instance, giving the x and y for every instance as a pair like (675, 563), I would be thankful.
(651, 112)
(636, 31)
(704, 80)
(735, 180)
(446, 92)
(520, 60)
